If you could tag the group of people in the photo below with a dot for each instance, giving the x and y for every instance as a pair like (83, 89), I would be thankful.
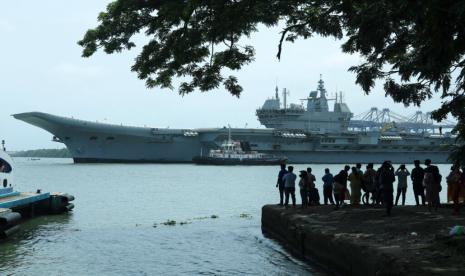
(378, 185)
(287, 182)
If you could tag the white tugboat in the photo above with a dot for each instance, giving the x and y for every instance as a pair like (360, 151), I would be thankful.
(233, 153)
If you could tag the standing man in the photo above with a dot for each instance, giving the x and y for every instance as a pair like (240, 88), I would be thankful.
(313, 197)
(303, 185)
(370, 183)
(401, 174)
(344, 178)
(417, 182)
(280, 183)
(328, 181)
(359, 168)
(289, 186)
(386, 180)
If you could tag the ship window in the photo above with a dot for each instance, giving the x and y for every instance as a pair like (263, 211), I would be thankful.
(93, 138)
(5, 167)
(110, 138)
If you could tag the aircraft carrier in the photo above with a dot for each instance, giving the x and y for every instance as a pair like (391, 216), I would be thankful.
(306, 133)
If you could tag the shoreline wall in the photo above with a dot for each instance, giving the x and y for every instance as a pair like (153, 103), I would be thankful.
(342, 254)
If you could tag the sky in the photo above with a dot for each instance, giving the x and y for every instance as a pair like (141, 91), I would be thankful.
(42, 70)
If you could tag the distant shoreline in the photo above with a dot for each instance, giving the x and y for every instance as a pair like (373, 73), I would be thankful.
(43, 153)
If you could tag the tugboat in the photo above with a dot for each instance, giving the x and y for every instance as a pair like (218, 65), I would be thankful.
(233, 153)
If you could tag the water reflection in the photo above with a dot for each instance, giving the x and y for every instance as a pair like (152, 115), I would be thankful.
(16, 249)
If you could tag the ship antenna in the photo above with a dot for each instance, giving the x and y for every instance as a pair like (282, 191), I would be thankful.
(3, 145)
(276, 90)
(229, 134)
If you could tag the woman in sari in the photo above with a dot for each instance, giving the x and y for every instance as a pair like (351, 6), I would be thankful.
(355, 179)
(455, 188)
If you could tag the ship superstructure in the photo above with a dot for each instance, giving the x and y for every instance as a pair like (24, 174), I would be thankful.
(315, 118)
(310, 133)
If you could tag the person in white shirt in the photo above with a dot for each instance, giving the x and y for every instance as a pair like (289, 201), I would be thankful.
(401, 174)
(289, 185)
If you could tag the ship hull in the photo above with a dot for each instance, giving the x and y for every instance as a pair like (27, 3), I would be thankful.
(78, 160)
(236, 161)
(91, 142)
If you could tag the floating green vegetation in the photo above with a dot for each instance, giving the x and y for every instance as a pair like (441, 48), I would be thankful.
(200, 218)
(169, 223)
(245, 215)
(184, 222)
(214, 216)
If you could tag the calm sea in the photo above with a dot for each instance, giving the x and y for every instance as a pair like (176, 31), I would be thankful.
(117, 226)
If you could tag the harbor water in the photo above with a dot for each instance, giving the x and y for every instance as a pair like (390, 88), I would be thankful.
(118, 225)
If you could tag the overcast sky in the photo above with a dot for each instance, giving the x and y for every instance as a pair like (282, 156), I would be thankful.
(42, 70)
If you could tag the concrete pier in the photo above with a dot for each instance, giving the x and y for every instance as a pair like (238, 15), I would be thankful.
(14, 206)
(360, 241)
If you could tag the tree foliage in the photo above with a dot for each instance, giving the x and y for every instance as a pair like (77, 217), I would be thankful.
(415, 47)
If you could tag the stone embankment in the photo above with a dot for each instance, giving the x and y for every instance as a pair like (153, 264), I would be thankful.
(360, 241)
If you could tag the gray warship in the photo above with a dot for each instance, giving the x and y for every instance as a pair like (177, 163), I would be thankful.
(310, 133)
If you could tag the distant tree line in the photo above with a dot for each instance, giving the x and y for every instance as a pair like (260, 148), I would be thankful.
(51, 153)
